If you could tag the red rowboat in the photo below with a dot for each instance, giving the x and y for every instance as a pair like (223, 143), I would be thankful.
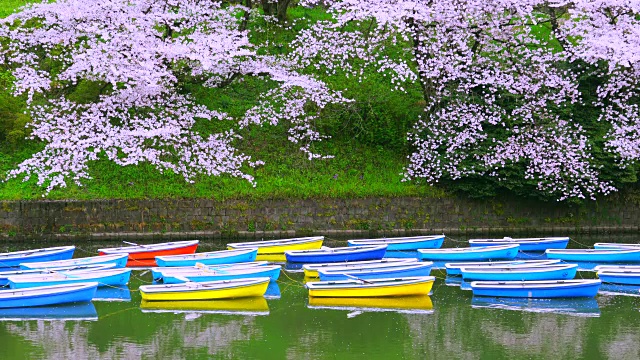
(145, 255)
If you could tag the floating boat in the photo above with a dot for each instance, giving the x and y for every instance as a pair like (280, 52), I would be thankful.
(526, 244)
(144, 255)
(595, 255)
(403, 243)
(311, 270)
(4, 275)
(537, 289)
(390, 271)
(119, 261)
(208, 258)
(14, 259)
(48, 295)
(616, 267)
(417, 304)
(225, 289)
(270, 271)
(508, 273)
(251, 306)
(620, 276)
(583, 307)
(327, 255)
(372, 288)
(615, 245)
(109, 277)
(470, 253)
(156, 272)
(84, 311)
(454, 268)
(272, 247)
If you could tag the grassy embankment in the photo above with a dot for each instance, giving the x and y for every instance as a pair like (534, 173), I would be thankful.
(367, 142)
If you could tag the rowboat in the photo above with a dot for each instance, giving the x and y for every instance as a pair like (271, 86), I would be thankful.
(537, 289)
(119, 261)
(156, 272)
(390, 271)
(208, 258)
(248, 306)
(109, 277)
(470, 253)
(4, 275)
(270, 271)
(13, 259)
(417, 304)
(622, 276)
(583, 307)
(526, 244)
(507, 273)
(372, 288)
(225, 289)
(81, 311)
(48, 295)
(403, 243)
(454, 268)
(144, 255)
(327, 255)
(616, 267)
(311, 270)
(280, 246)
(595, 255)
(615, 245)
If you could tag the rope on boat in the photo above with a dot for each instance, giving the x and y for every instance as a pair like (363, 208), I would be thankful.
(454, 240)
(579, 243)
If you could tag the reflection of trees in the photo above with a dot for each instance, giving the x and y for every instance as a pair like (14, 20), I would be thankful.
(623, 345)
(69, 340)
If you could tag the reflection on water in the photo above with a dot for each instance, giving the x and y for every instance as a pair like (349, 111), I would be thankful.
(113, 293)
(616, 289)
(405, 304)
(69, 312)
(243, 306)
(578, 306)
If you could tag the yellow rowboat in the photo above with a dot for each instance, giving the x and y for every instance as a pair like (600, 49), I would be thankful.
(274, 247)
(210, 290)
(372, 288)
(242, 306)
(408, 304)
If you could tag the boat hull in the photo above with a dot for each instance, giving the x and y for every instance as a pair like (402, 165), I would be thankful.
(279, 247)
(272, 272)
(210, 258)
(13, 260)
(486, 253)
(203, 293)
(311, 270)
(525, 244)
(120, 261)
(48, 295)
(145, 255)
(375, 253)
(381, 273)
(363, 289)
(156, 272)
(112, 278)
(520, 274)
(4, 275)
(619, 277)
(397, 244)
(553, 289)
(596, 255)
(454, 268)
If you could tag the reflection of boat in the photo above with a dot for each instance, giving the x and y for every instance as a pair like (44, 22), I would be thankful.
(113, 293)
(618, 289)
(537, 289)
(453, 280)
(145, 255)
(372, 288)
(224, 289)
(273, 291)
(454, 267)
(470, 253)
(403, 243)
(311, 270)
(120, 260)
(526, 244)
(209, 258)
(15, 258)
(48, 295)
(339, 254)
(515, 273)
(275, 247)
(4, 275)
(574, 306)
(108, 277)
(615, 245)
(408, 304)
(389, 271)
(244, 306)
(595, 255)
(65, 312)
(270, 271)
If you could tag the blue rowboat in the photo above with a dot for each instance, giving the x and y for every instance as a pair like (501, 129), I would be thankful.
(526, 244)
(508, 273)
(537, 289)
(621, 276)
(470, 253)
(311, 270)
(327, 255)
(403, 243)
(390, 271)
(109, 277)
(156, 272)
(595, 255)
(454, 268)
(48, 295)
(120, 261)
(81, 311)
(616, 267)
(14, 259)
(615, 245)
(208, 258)
(270, 271)
(4, 275)
(583, 307)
